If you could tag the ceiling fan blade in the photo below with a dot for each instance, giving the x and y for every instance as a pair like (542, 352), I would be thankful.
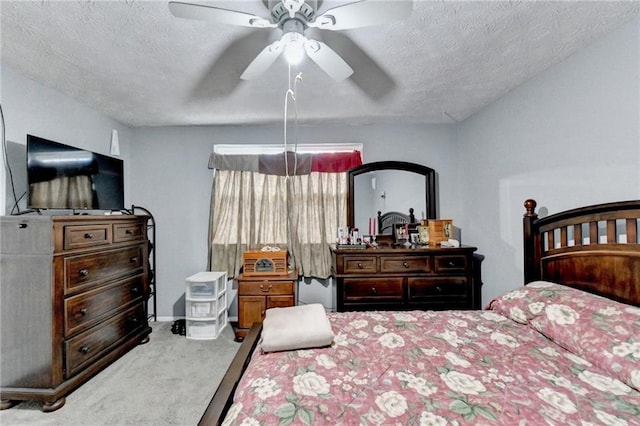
(217, 15)
(263, 61)
(327, 59)
(362, 14)
(368, 75)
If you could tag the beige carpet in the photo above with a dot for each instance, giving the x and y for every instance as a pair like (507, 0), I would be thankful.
(168, 381)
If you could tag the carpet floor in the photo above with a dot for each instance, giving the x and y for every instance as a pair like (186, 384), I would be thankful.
(166, 382)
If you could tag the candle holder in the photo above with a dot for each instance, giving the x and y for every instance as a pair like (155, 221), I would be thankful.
(373, 225)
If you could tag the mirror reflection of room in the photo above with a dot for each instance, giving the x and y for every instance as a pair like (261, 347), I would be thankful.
(385, 191)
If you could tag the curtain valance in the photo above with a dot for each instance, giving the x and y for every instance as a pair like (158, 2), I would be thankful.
(296, 164)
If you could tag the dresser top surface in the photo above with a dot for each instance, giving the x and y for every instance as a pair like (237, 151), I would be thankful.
(397, 250)
(70, 218)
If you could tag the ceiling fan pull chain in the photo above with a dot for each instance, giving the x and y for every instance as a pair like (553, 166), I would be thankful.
(296, 80)
(291, 92)
(286, 114)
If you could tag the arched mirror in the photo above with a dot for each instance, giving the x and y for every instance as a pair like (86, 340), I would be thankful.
(389, 186)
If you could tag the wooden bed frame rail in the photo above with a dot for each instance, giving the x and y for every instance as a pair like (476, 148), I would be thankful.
(223, 398)
(594, 248)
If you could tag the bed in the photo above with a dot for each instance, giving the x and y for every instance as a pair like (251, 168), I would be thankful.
(562, 349)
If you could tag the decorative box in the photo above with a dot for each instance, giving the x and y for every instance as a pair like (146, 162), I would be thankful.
(440, 230)
(265, 262)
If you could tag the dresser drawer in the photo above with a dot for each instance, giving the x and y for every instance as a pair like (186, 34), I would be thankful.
(81, 350)
(372, 289)
(402, 264)
(83, 236)
(128, 232)
(360, 264)
(442, 287)
(280, 301)
(265, 288)
(451, 263)
(85, 271)
(88, 308)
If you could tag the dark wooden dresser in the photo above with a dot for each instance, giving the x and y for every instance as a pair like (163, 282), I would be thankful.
(402, 279)
(74, 292)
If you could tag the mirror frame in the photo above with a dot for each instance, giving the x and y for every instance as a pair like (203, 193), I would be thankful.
(428, 173)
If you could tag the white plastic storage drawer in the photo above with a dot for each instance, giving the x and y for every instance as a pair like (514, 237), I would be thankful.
(206, 285)
(207, 328)
(202, 309)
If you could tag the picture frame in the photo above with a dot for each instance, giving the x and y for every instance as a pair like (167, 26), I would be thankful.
(404, 231)
(414, 238)
(423, 232)
(401, 232)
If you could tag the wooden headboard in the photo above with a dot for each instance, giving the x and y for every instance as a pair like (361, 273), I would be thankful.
(594, 248)
(388, 220)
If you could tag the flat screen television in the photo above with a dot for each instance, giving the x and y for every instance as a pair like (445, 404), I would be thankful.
(64, 177)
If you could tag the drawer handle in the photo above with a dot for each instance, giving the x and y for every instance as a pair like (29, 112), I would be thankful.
(374, 290)
(134, 259)
(360, 266)
(88, 236)
(84, 311)
(439, 289)
(452, 264)
(135, 290)
(83, 272)
(265, 290)
(84, 350)
(128, 232)
(405, 264)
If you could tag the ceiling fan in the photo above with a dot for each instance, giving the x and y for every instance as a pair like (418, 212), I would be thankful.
(293, 17)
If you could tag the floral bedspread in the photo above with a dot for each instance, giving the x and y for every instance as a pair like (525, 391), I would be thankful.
(438, 368)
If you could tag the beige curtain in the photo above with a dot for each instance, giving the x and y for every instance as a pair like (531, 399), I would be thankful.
(250, 210)
(62, 192)
(317, 207)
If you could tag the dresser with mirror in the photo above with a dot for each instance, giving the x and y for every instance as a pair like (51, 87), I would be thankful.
(399, 276)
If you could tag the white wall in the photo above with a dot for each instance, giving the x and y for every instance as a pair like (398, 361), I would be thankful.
(31, 108)
(567, 138)
(169, 168)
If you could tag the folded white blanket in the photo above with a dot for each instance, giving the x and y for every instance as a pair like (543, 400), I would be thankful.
(296, 327)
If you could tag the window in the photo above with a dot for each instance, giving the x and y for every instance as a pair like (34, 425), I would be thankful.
(294, 200)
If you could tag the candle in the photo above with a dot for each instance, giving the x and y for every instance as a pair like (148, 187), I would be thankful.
(369, 226)
(375, 225)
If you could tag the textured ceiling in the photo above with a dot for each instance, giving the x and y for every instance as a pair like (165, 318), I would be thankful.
(137, 63)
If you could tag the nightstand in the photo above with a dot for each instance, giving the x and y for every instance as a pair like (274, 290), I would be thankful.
(257, 293)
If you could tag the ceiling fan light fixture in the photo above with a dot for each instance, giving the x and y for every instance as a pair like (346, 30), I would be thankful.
(293, 47)
(293, 17)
